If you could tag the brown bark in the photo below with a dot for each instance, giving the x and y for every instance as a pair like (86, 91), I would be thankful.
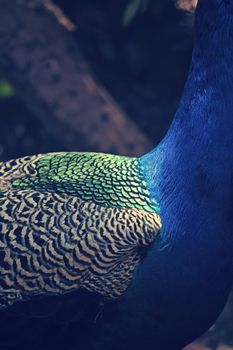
(43, 61)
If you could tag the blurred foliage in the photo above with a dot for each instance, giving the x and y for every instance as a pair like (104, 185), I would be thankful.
(133, 8)
(6, 90)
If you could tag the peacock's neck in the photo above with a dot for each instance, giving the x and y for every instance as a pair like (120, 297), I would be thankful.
(191, 171)
(189, 268)
(205, 113)
(203, 125)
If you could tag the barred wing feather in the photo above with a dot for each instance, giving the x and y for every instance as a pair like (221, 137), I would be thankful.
(54, 243)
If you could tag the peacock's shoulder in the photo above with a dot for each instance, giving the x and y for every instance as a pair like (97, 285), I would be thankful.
(105, 179)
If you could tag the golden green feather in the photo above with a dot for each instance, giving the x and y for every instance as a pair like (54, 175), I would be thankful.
(105, 179)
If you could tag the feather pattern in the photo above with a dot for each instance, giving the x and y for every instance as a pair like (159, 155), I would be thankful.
(55, 235)
(105, 179)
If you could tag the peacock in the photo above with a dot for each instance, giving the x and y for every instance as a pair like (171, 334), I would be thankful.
(145, 243)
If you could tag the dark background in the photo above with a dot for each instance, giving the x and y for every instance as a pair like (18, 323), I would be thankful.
(143, 65)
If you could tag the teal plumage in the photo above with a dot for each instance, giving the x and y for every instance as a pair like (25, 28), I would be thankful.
(71, 221)
(105, 179)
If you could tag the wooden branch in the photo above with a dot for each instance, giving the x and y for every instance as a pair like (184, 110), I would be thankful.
(43, 61)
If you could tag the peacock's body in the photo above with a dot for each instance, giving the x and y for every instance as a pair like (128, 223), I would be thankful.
(151, 237)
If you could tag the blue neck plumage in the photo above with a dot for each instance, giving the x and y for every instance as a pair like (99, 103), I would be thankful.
(192, 168)
(190, 174)
(188, 270)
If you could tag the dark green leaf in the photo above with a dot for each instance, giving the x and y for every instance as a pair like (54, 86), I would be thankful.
(131, 10)
(6, 90)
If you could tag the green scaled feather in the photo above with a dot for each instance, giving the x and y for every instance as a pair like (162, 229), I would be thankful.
(105, 179)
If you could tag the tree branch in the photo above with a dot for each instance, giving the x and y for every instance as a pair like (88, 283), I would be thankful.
(45, 65)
